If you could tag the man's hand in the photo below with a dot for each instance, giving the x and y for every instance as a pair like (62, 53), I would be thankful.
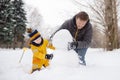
(72, 45)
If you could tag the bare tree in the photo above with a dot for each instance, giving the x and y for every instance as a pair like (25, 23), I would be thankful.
(34, 18)
(34, 21)
(105, 15)
(111, 24)
(119, 30)
(97, 41)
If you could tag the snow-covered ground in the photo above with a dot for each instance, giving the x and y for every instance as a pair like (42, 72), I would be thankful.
(100, 66)
(64, 66)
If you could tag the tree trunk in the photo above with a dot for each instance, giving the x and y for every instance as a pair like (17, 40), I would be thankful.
(111, 24)
(116, 39)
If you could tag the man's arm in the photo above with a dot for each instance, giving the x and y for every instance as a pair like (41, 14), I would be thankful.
(87, 39)
(63, 26)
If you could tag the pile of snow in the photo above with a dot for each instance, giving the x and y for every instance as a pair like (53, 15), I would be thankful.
(61, 39)
(66, 58)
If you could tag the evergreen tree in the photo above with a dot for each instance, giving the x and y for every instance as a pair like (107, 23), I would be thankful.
(12, 21)
(2, 34)
(6, 22)
(20, 20)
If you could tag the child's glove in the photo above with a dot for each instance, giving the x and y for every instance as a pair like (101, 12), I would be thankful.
(49, 56)
(24, 49)
(50, 45)
(50, 42)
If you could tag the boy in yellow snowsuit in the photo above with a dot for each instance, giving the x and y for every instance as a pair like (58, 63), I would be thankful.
(38, 46)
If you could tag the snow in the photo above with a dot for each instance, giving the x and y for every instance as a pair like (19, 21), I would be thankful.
(60, 41)
(62, 37)
(101, 65)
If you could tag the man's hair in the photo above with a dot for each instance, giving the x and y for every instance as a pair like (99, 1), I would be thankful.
(82, 15)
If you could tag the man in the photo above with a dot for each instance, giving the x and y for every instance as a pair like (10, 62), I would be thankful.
(81, 31)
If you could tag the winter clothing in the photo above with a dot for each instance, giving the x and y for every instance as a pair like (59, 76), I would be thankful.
(39, 54)
(74, 44)
(39, 51)
(29, 30)
(34, 35)
(49, 56)
(81, 52)
(82, 36)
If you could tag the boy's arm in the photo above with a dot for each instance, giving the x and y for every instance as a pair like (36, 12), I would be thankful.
(50, 45)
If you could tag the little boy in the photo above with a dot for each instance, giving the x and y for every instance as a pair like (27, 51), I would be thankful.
(38, 46)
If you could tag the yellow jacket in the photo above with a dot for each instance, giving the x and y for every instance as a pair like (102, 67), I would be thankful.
(40, 51)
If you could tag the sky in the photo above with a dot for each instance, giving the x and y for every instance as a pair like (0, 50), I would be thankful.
(54, 12)
(64, 65)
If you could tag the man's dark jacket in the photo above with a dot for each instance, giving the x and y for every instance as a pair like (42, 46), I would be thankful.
(84, 35)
